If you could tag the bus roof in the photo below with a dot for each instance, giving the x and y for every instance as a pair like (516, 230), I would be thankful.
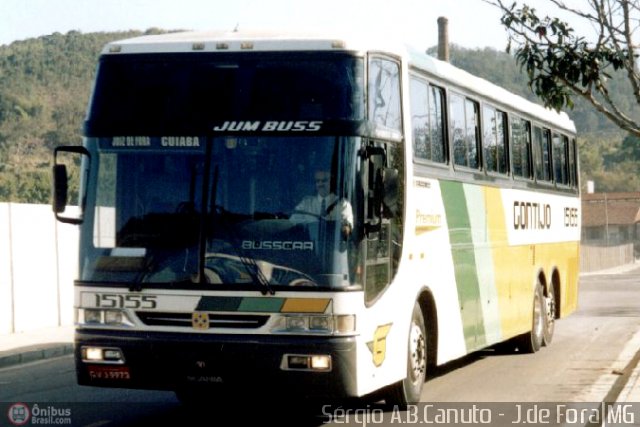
(240, 41)
(231, 41)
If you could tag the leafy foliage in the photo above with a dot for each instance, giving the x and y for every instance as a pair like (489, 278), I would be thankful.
(561, 64)
(44, 90)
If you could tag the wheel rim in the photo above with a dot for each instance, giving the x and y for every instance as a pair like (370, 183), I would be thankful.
(417, 353)
(538, 316)
(550, 311)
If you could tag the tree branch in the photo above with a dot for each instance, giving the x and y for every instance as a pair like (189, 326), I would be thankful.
(559, 63)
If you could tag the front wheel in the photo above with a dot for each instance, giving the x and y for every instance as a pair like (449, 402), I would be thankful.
(410, 389)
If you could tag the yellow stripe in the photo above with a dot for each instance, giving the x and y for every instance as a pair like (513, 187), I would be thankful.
(507, 266)
(515, 269)
(305, 305)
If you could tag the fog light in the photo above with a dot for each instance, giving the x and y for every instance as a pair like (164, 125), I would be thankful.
(103, 355)
(298, 362)
(92, 353)
(112, 354)
(306, 362)
(321, 363)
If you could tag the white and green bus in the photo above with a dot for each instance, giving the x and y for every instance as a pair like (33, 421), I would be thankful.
(451, 220)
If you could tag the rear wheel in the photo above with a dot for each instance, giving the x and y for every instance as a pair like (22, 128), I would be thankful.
(550, 315)
(531, 341)
(410, 389)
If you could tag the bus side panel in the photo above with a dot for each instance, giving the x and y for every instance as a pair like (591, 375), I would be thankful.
(479, 216)
(464, 258)
(513, 270)
(569, 303)
(430, 263)
(541, 238)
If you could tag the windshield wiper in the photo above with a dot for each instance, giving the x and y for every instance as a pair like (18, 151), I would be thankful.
(136, 285)
(204, 230)
(209, 217)
(256, 272)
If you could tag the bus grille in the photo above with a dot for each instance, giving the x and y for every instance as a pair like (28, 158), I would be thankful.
(238, 321)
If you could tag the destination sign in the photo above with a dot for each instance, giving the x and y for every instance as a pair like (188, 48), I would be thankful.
(148, 142)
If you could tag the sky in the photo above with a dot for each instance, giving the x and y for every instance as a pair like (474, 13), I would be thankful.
(472, 23)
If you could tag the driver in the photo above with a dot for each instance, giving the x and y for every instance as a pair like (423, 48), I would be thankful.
(324, 204)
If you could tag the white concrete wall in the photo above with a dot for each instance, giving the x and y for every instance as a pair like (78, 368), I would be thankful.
(38, 263)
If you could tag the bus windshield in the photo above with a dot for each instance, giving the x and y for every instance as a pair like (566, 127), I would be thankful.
(274, 211)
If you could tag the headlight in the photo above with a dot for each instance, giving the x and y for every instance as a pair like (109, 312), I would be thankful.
(99, 317)
(315, 324)
(92, 316)
(108, 355)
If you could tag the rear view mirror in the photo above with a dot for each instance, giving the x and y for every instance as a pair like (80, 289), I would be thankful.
(71, 165)
(60, 188)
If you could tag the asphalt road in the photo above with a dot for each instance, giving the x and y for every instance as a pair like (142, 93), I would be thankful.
(591, 351)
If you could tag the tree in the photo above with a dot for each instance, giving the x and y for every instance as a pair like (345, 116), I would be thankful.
(561, 64)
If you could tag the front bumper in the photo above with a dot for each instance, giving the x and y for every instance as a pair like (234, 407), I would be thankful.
(176, 361)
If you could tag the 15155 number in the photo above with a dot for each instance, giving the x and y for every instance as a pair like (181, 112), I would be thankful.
(125, 301)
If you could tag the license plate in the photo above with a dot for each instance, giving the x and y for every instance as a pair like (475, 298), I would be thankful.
(109, 373)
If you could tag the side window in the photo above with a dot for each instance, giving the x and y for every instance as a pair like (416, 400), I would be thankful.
(464, 127)
(494, 139)
(560, 159)
(384, 94)
(427, 120)
(542, 153)
(458, 131)
(419, 92)
(436, 124)
(521, 147)
(573, 170)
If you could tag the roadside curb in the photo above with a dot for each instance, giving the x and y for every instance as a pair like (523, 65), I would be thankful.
(621, 269)
(34, 353)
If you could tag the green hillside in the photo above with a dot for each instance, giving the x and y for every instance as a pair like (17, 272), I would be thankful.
(45, 85)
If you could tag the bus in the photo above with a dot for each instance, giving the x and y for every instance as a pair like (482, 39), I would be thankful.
(451, 220)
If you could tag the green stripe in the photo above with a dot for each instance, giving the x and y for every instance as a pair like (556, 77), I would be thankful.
(219, 304)
(266, 305)
(240, 304)
(462, 251)
(482, 244)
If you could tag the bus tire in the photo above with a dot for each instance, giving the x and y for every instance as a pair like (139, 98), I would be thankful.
(410, 388)
(550, 315)
(531, 341)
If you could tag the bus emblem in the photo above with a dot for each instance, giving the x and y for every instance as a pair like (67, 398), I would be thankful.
(200, 320)
(378, 346)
